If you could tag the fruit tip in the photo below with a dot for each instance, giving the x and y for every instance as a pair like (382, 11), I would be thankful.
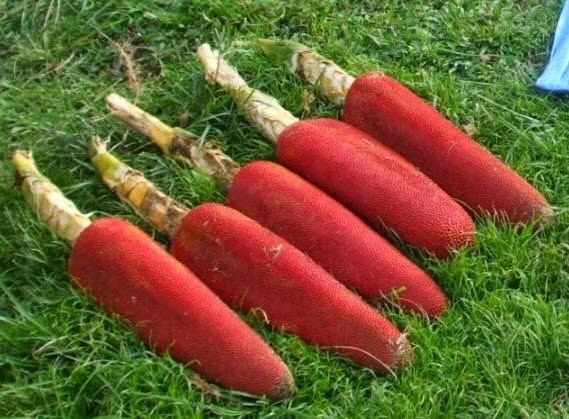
(286, 386)
(545, 215)
(466, 240)
(217, 70)
(437, 309)
(404, 353)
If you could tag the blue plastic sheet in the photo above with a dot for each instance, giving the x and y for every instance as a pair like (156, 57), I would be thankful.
(555, 77)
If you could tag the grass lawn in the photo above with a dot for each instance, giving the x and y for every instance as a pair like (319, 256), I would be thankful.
(503, 348)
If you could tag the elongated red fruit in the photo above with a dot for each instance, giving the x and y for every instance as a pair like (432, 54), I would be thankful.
(396, 117)
(333, 236)
(251, 268)
(376, 183)
(171, 310)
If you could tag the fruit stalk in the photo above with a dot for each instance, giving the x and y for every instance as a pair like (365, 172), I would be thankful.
(51, 206)
(153, 205)
(175, 142)
(332, 81)
(264, 111)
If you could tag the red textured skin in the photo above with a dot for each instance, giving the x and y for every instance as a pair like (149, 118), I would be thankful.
(395, 116)
(251, 268)
(172, 311)
(332, 236)
(376, 183)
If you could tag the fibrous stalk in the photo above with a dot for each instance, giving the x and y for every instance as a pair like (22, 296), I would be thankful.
(331, 81)
(154, 206)
(178, 143)
(51, 206)
(264, 111)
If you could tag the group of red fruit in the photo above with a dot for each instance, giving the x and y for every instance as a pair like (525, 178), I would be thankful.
(299, 237)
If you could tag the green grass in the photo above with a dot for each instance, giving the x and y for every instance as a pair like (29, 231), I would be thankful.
(502, 350)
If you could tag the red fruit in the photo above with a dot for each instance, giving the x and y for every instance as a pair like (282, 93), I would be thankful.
(332, 236)
(251, 268)
(376, 183)
(171, 310)
(396, 117)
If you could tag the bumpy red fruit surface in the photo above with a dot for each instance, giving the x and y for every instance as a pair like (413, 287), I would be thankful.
(375, 183)
(253, 269)
(396, 117)
(129, 274)
(333, 237)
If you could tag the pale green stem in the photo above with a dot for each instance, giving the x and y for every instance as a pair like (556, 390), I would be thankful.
(154, 206)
